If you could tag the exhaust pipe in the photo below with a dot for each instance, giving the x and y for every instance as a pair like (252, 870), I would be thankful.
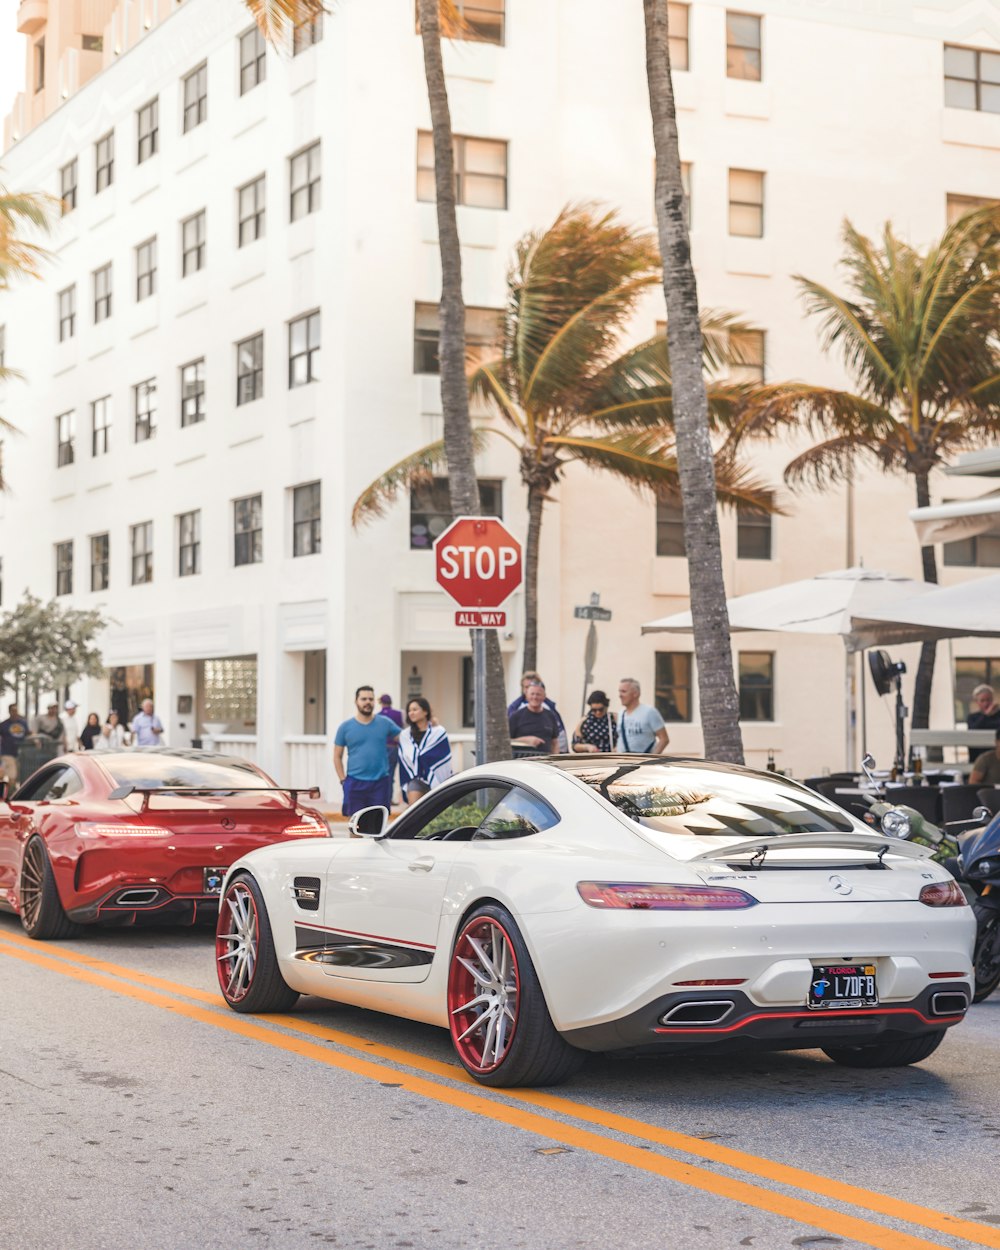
(949, 1003)
(137, 898)
(698, 1012)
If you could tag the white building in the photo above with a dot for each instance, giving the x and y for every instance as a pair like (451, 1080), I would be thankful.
(231, 337)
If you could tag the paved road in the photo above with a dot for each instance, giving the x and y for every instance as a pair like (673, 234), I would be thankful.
(137, 1111)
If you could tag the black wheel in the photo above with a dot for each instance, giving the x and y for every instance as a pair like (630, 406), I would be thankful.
(500, 1026)
(245, 959)
(42, 913)
(986, 960)
(887, 1054)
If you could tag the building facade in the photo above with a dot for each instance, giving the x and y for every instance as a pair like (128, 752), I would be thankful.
(236, 334)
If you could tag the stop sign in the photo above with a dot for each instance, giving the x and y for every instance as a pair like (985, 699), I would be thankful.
(478, 561)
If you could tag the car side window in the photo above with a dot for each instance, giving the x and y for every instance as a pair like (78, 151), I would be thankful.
(466, 811)
(64, 784)
(517, 815)
(37, 787)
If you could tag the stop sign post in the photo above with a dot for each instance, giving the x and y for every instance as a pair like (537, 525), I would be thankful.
(478, 562)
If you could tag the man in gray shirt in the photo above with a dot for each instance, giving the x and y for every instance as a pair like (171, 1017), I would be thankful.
(641, 730)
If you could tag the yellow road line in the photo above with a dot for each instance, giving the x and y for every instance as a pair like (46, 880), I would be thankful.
(803, 1212)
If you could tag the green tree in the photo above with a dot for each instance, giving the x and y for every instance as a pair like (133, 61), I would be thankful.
(919, 332)
(44, 646)
(566, 392)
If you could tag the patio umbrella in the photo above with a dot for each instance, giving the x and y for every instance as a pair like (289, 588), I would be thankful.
(829, 604)
(971, 608)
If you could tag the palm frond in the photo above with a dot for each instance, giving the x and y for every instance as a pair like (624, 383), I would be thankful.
(754, 410)
(18, 256)
(416, 469)
(486, 384)
(278, 18)
(835, 459)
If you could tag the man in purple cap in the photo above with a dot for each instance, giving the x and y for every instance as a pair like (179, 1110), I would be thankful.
(392, 746)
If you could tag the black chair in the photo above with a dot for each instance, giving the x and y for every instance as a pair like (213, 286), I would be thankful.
(989, 796)
(924, 799)
(959, 802)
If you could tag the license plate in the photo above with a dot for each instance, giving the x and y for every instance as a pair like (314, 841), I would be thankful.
(843, 986)
(212, 878)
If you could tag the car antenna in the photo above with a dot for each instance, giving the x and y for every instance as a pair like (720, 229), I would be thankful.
(758, 857)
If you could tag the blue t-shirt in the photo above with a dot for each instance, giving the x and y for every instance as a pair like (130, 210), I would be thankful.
(367, 758)
(637, 729)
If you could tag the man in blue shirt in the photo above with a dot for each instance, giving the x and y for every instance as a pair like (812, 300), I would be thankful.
(366, 779)
(13, 732)
(147, 728)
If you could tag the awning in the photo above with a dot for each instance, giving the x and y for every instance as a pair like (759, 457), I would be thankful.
(950, 522)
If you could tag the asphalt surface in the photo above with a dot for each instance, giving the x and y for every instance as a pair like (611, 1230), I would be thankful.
(137, 1110)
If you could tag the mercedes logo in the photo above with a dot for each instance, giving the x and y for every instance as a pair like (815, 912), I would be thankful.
(840, 885)
(227, 822)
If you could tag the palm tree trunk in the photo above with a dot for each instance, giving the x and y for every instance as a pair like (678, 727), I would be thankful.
(716, 683)
(462, 486)
(925, 668)
(536, 502)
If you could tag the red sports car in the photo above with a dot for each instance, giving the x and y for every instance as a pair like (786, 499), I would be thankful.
(126, 837)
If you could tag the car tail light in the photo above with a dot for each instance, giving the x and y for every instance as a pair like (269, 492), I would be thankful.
(96, 830)
(612, 895)
(716, 981)
(307, 827)
(942, 894)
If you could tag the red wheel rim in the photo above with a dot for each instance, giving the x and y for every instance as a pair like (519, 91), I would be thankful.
(236, 942)
(484, 994)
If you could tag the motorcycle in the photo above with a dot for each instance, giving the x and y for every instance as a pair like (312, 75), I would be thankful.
(977, 870)
(897, 820)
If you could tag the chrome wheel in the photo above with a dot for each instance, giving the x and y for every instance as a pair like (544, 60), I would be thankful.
(483, 994)
(32, 883)
(236, 942)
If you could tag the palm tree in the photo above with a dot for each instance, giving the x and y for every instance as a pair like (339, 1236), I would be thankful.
(563, 389)
(277, 17)
(716, 681)
(918, 331)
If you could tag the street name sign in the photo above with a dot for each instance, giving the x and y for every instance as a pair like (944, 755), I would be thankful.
(589, 612)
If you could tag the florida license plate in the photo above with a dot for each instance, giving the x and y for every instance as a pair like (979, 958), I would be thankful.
(212, 878)
(843, 986)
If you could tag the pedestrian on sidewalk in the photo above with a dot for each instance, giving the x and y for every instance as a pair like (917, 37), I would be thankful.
(535, 725)
(113, 736)
(641, 730)
(13, 732)
(147, 728)
(531, 678)
(49, 728)
(365, 737)
(598, 730)
(424, 752)
(396, 716)
(71, 726)
(91, 732)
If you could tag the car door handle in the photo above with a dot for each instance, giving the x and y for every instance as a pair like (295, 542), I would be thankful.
(424, 864)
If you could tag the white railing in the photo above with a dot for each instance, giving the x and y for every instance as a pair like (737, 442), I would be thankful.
(462, 751)
(243, 745)
(306, 760)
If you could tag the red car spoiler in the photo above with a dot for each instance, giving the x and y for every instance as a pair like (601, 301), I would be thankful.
(124, 791)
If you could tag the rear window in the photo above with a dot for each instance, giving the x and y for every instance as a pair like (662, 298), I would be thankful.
(146, 772)
(688, 799)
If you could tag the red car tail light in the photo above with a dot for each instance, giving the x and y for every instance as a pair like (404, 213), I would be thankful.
(95, 830)
(615, 895)
(307, 827)
(943, 894)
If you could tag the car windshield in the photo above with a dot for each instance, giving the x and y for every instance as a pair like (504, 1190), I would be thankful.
(152, 771)
(697, 799)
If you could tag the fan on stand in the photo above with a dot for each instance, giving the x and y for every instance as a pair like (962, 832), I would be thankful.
(887, 673)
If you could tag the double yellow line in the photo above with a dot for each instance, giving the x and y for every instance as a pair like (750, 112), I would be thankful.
(532, 1111)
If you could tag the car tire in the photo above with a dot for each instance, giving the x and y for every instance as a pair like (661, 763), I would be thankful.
(887, 1054)
(500, 1026)
(42, 915)
(986, 960)
(245, 958)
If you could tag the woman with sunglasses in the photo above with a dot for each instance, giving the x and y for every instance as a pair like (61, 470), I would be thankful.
(598, 731)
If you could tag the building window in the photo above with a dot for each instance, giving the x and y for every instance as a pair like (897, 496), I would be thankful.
(482, 336)
(674, 671)
(145, 270)
(100, 426)
(756, 682)
(193, 393)
(102, 293)
(677, 24)
(306, 520)
(743, 58)
(430, 509)
(141, 546)
(228, 691)
(482, 21)
(303, 350)
(669, 529)
(193, 244)
(99, 561)
(67, 313)
(306, 32)
(144, 401)
(104, 158)
(148, 129)
(39, 66)
(480, 171)
(64, 568)
(956, 206)
(971, 79)
(65, 439)
(249, 369)
(189, 543)
(196, 97)
(253, 59)
(68, 177)
(92, 43)
(746, 203)
(248, 530)
(747, 348)
(753, 534)
(981, 551)
(250, 210)
(304, 181)
(969, 673)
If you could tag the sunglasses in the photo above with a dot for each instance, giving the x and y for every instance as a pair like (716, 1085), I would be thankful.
(598, 707)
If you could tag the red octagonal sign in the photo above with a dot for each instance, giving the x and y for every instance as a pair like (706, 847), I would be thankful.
(478, 562)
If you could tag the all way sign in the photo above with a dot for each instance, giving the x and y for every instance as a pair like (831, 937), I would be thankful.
(481, 620)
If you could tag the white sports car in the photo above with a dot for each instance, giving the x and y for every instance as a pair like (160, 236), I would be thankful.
(541, 908)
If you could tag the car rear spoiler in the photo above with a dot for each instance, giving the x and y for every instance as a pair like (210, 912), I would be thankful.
(124, 791)
(834, 841)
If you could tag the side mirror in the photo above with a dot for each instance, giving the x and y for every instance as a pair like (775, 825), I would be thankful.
(868, 763)
(982, 813)
(370, 822)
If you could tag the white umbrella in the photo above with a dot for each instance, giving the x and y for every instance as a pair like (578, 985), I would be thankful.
(971, 608)
(950, 522)
(830, 604)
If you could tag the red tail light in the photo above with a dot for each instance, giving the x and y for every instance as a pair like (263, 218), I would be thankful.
(96, 830)
(308, 827)
(615, 895)
(943, 894)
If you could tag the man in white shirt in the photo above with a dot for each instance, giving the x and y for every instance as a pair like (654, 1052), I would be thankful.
(147, 728)
(641, 730)
(71, 726)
